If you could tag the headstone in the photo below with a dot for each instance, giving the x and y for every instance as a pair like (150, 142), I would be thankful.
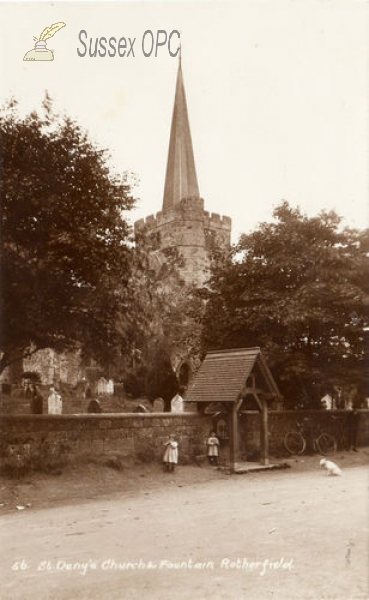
(141, 409)
(101, 386)
(110, 387)
(158, 405)
(27, 388)
(327, 402)
(58, 404)
(37, 403)
(94, 406)
(6, 388)
(177, 404)
(54, 403)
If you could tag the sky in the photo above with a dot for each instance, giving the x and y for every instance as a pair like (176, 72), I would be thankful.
(277, 94)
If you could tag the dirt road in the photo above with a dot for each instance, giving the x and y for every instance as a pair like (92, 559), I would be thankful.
(282, 535)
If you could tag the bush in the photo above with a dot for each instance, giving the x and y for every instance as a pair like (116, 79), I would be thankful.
(19, 460)
(145, 455)
(115, 463)
(33, 376)
(133, 384)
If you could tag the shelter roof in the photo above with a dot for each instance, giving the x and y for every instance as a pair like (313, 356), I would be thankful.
(223, 376)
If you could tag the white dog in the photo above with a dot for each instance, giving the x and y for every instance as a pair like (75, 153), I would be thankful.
(331, 467)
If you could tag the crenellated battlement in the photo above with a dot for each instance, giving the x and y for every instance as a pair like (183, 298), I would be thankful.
(221, 221)
(189, 228)
(188, 210)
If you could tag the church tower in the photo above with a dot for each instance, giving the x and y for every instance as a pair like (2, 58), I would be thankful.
(183, 223)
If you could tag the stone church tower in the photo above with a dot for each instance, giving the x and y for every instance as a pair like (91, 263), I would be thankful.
(183, 223)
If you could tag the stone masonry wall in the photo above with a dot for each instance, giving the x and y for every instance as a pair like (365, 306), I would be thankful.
(142, 435)
(188, 227)
(130, 435)
(280, 422)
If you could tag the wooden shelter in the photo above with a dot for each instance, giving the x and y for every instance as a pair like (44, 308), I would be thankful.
(230, 376)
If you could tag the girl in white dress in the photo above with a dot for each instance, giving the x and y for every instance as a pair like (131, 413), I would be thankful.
(212, 443)
(170, 457)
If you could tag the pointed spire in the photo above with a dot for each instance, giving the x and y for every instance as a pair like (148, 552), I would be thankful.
(180, 179)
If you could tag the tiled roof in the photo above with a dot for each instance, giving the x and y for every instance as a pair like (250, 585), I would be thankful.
(224, 373)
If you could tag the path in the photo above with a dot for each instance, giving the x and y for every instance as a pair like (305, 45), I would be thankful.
(271, 535)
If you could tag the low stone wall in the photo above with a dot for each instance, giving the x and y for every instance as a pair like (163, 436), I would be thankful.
(139, 436)
(38, 438)
(280, 422)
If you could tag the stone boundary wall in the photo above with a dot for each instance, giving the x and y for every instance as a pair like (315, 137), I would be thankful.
(142, 436)
(128, 435)
(280, 422)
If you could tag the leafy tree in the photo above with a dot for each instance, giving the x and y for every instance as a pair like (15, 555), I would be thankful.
(64, 241)
(161, 320)
(298, 288)
(153, 375)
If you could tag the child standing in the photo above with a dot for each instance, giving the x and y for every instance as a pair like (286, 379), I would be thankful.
(171, 453)
(212, 443)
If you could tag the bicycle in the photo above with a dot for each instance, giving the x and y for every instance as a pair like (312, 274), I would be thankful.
(295, 442)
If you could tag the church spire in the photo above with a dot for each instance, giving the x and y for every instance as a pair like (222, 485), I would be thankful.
(180, 178)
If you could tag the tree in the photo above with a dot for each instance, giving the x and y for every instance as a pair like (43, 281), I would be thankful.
(298, 288)
(64, 241)
(162, 320)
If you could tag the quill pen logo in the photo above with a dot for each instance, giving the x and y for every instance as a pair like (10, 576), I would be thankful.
(40, 52)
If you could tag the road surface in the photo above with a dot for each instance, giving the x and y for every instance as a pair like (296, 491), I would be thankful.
(273, 535)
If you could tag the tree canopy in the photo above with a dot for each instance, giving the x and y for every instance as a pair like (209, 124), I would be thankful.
(64, 240)
(162, 320)
(297, 287)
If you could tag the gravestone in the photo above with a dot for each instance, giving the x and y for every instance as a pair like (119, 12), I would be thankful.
(102, 385)
(54, 403)
(141, 409)
(158, 405)
(176, 404)
(94, 406)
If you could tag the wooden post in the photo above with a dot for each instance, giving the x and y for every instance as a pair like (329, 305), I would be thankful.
(234, 438)
(233, 449)
(264, 441)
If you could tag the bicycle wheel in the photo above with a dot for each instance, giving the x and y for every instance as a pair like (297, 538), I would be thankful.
(294, 442)
(326, 443)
